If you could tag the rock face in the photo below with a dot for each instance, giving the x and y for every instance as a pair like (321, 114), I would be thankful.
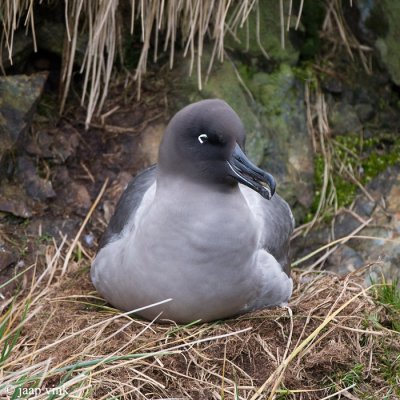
(287, 146)
(18, 97)
(22, 47)
(380, 241)
(261, 34)
(376, 23)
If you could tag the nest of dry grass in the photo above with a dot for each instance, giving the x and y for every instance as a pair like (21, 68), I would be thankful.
(60, 337)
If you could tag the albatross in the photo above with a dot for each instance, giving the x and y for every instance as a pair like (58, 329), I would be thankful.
(203, 228)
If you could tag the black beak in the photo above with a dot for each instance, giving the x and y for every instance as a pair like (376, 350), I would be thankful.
(244, 171)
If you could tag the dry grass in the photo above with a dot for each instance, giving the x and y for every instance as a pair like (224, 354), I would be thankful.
(58, 335)
(191, 22)
(336, 32)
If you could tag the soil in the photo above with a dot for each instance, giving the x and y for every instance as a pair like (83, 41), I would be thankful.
(62, 166)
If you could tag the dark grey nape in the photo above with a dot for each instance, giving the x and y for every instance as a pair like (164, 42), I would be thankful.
(128, 204)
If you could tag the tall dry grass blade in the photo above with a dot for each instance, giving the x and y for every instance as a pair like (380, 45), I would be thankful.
(289, 15)
(258, 23)
(66, 76)
(299, 15)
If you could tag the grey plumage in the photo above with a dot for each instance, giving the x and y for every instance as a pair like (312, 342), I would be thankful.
(186, 229)
(128, 204)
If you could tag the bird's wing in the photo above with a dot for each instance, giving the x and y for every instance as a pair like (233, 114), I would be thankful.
(128, 204)
(278, 227)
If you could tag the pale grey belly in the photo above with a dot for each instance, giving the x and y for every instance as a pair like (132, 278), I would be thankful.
(204, 285)
(206, 261)
(207, 291)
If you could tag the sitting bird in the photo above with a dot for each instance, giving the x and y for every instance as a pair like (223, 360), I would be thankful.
(202, 228)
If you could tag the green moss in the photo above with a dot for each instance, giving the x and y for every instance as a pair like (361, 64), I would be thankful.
(269, 35)
(377, 20)
(365, 157)
(375, 154)
(305, 73)
(273, 90)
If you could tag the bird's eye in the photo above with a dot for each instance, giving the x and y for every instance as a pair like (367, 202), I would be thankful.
(202, 138)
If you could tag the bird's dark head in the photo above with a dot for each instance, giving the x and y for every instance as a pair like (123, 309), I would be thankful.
(205, 142)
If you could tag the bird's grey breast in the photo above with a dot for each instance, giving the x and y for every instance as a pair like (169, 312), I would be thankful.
(197, 228)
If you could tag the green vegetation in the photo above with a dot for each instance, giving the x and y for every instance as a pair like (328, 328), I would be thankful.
(351, 378)
(388, 294)
(354, 159)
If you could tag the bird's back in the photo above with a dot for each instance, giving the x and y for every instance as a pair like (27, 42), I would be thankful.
(128, 204)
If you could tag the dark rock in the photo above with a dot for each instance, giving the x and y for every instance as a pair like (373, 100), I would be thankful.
(333, 85)
(13, 200)
(344, 260)
(364, 95)
(36, 187)
(364, 206)
(50, 34)
(380, 240)
(65, 143)
(7, 258)
(77, 196)
(21, 48)
(56, 227)
(365, 112)
(40, 145)
(288, 151)
(72, 196)
(343, 119)
(345, 223)
(58, 144)
(18, 97)
(375, 22)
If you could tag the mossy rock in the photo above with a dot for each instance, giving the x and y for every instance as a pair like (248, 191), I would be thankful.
(389, 46)
(269, 35)
(379, 23)
(289, 154)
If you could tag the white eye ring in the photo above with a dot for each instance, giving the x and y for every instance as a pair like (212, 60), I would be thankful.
(201, 137)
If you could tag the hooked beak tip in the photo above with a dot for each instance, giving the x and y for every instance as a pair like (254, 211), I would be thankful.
(245, 172)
